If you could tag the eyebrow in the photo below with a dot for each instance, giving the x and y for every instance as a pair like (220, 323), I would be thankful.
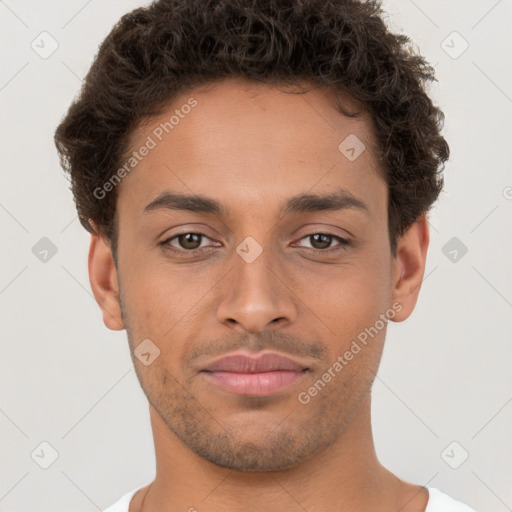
(339, 200)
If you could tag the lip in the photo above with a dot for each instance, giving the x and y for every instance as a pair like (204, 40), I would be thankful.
(254, 375)
(244, 363)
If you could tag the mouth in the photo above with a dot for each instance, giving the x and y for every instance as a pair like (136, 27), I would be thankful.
(256, 376)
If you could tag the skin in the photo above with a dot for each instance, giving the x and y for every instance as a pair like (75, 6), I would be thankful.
(252, 147)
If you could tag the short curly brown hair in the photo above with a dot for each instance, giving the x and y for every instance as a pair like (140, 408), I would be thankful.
(155, 53)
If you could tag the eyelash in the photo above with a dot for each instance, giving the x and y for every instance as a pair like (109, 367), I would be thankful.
(184, 253)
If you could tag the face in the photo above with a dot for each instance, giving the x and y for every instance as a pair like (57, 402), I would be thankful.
(255, 268)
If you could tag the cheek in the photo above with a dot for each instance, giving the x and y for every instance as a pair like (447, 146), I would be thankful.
(162, 299)
(345, 298)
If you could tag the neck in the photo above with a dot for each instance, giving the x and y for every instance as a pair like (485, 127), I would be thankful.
(346, 475)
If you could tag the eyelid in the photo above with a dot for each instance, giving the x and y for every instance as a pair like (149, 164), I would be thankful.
(343, 243)
(189, 232)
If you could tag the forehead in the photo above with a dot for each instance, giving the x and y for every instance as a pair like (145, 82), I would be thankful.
(237, 140)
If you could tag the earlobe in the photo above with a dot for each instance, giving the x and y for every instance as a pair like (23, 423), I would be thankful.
(104, 282)
(409, 267)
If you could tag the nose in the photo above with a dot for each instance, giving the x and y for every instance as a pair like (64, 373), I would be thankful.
(256, 296)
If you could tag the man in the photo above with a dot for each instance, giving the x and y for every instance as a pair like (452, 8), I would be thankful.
(256, 177)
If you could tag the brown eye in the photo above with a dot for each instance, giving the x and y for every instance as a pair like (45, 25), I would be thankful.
(320, 241)
(185, 242)
(189, 245)
(323, 241)
(189, 240)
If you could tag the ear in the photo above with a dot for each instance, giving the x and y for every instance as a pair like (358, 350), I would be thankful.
(104, 282)
(409, 267)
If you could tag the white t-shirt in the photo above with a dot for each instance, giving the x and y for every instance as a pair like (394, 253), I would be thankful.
(437, 502)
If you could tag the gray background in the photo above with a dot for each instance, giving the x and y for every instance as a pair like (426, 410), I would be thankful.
(68, 381)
